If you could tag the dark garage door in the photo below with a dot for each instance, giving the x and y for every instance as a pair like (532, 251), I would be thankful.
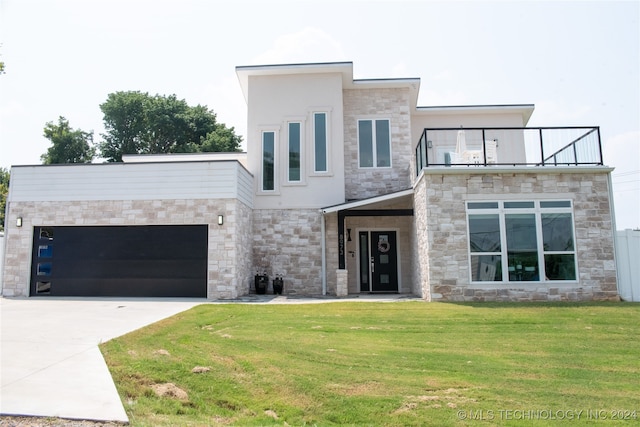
(124, 261)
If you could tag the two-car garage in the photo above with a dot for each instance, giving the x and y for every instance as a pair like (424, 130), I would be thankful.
(122, 261)
(172, 227)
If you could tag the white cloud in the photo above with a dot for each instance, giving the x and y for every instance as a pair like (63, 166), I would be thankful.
(308, 45)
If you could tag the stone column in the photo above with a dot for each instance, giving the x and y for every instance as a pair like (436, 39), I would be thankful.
(342, 287)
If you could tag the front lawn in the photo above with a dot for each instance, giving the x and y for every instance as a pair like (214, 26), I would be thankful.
(383, 364)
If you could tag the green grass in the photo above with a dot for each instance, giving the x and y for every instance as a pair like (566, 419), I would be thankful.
(385, 364)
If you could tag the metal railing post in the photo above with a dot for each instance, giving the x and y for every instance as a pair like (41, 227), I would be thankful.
(484, 148)
(599, 145)
(541, 146)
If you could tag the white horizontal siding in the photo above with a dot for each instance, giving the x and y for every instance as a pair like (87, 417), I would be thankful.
(245, 187)
(139, 181)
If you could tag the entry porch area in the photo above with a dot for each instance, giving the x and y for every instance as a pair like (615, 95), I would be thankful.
(374, 240)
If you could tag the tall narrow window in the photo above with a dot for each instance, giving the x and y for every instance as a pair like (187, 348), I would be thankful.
(522, 247)
(320, 142)
(485, 246)
(374, 143)
(559, 252)
(268, 160)
(294, 152)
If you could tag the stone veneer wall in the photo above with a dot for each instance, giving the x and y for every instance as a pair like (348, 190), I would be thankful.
(288, 242)
(420, 242)
(390, 104)
(445, 251)
(229, 264)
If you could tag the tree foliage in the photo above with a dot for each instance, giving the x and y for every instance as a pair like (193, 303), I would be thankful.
(4, 191)
(137, 123)
(67, 145)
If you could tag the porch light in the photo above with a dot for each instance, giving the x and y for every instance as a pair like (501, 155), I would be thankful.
(19, 221)
(429, 144)
(220, 219)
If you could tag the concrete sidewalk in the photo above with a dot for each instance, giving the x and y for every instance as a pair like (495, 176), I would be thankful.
(50, 364)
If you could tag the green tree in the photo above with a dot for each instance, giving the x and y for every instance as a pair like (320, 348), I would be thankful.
(4, 190)
(222, 139)
(67, 145)
(137, 123)
(124, 123)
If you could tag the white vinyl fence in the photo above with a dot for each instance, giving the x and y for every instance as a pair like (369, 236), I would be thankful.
(628, 257)
(1, 260)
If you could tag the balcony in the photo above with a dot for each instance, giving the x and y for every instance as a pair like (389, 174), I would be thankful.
(522, 147)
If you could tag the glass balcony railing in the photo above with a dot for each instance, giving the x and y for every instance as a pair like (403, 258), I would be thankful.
(474, 147)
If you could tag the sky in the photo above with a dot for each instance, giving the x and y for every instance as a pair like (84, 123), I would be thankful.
(578, 62)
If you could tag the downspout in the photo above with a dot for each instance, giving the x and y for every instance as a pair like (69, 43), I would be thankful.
(324, 255)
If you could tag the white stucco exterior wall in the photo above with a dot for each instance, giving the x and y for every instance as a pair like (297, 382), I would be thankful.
(276, 100)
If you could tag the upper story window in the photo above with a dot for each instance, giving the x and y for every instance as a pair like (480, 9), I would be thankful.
(294, 147)
(528, 241)
(320, 142)
(268, 160)
(374, 143)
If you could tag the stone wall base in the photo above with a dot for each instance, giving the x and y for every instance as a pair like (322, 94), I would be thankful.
(342, 287)
(533, 294)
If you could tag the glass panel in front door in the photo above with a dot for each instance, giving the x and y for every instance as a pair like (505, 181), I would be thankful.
(363, 240)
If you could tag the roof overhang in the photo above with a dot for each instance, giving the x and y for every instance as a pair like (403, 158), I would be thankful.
(526, 110)
(343, 68)
(245, 71)
(367, 202)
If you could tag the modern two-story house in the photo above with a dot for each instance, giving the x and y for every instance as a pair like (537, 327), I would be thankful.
(347, 187)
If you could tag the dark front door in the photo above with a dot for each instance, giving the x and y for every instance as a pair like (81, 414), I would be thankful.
(378, 261)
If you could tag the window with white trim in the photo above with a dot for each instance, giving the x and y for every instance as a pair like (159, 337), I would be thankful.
(320, 147)
(521, 241)
(268, 160)
(374, 143)
(294, 147)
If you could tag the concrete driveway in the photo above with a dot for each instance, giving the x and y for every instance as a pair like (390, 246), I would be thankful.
(50, 364)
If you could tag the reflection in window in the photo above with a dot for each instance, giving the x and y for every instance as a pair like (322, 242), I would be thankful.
(522, 247)
(558, 246)
(560, 267)
(43, 288)
(484, 233)
(43, 269)
(374, 143)
(486, 268)
(294, 152)
(320, 142)
(46, 233)
(45, 251)
(268, 161)
(537, 242)
(557, 233)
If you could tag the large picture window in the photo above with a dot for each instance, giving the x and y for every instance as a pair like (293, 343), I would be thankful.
(374, 143)
(528, 241)
(268, 160)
